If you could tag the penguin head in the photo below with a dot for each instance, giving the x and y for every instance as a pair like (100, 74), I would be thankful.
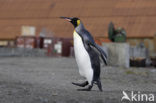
(74, 20)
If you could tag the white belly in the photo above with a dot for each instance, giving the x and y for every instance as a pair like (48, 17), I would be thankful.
(82, 58)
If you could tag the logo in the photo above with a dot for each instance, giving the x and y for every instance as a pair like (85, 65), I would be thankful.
(137, 96)
(125, 96)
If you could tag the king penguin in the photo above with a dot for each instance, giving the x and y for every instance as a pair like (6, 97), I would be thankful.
(87, 54)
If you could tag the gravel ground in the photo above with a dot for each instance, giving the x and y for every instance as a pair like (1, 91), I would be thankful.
(48, 80)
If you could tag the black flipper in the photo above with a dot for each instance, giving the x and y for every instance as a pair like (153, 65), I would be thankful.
(81, 84)
(99, 51)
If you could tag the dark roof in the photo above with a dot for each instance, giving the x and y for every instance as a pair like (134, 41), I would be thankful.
(138, 17)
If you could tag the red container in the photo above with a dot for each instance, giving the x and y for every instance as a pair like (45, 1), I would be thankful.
(30, 42)
(67, 44)
(53, 45)
(26, 42)
(57, 46)
(20, 41)
(39, 42)
(46, 42)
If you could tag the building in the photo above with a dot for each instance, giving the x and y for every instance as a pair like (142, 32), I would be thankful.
(136, 16)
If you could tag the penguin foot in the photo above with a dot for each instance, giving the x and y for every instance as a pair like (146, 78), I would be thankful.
(86, 89)
(99, 85)
(81, 84)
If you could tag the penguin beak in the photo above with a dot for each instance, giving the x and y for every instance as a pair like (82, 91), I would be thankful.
(66, 18)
